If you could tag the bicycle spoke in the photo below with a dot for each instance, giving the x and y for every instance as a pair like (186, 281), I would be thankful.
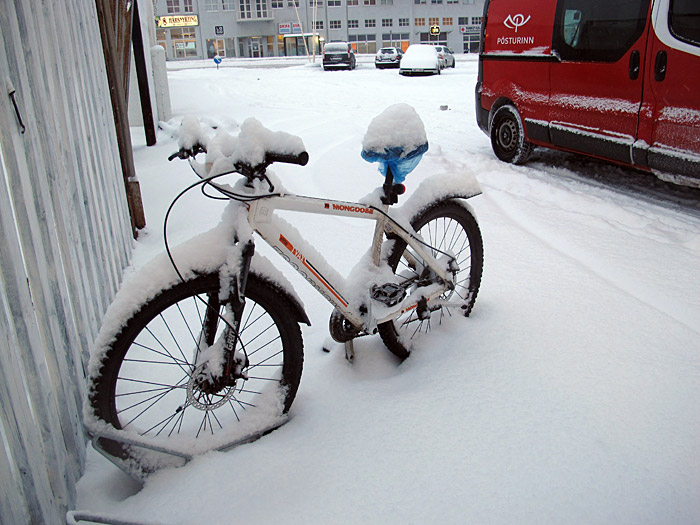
(164, 354)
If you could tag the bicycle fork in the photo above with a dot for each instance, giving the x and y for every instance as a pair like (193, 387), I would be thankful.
(234, 364)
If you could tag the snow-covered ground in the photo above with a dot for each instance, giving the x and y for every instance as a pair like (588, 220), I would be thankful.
(571, 393)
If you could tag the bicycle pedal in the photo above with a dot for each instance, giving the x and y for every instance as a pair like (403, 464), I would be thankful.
(389, 294)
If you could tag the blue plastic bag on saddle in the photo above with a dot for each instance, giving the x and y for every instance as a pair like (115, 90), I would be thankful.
(401, 163)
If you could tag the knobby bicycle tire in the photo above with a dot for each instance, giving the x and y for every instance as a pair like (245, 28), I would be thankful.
(450, 227)
(143, 381)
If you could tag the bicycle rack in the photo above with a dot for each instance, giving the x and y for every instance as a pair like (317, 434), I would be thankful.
(174, 458)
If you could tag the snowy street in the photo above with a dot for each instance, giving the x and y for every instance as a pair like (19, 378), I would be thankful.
(569, 395)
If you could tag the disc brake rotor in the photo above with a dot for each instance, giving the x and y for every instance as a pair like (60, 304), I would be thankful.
(203, 401)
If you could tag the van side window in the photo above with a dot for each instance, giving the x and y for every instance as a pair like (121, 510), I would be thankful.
(599, 30)
(684, 20)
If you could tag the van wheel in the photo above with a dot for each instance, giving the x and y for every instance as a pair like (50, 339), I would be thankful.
(508, 136)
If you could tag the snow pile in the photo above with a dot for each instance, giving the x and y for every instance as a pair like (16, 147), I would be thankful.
(191, 133)
(251, 145)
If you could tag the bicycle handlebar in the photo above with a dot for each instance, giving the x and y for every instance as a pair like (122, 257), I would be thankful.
(186, 153)
(301, 159)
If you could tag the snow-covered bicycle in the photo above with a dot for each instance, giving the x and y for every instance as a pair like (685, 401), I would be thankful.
(202, 350)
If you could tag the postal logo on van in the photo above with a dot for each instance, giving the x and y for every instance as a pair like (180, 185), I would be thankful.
(516, 21)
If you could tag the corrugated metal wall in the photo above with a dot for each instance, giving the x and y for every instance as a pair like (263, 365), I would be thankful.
(66, 237)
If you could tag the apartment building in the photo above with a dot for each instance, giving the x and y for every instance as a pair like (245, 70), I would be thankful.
(190, 29)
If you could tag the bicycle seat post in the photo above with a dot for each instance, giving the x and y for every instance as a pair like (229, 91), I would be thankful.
(388, 187)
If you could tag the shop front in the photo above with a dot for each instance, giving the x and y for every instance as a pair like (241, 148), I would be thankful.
(178, 35)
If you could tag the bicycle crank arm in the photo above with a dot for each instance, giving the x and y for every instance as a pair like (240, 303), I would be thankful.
(428, 295)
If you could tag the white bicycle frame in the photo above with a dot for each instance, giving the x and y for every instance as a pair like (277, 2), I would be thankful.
(305, 259)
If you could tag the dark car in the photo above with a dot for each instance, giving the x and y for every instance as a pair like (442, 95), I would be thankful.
(338, 55)
(388, 57)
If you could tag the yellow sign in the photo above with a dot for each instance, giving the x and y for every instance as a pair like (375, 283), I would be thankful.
(178, 21)
(434, 30)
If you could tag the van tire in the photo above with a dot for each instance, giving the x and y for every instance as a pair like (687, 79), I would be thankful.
(508, 136)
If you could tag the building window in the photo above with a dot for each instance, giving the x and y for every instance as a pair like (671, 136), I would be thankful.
(476, 20)
(463, 20)
(316, 3)
(404, 22)
(352, 3)
(334, 3)
(370, 22)
(216, 47)
(396, 40)
(387, 22)
(452, 2)
(318, 25)
(419, 21)
(435, 1)
(418, 1)
(335, 24)
(188, 6)
(370, 2)
(427, 38)
(245, 11)
(447, 21)
(227, 5)
(434, 21)
(277, 4)
(173, 6)
(293, 3)
(387, 2)
(184, 42)
(363, 43)
(261, 8)
(353, 24)
(211, 5)
(471, 43)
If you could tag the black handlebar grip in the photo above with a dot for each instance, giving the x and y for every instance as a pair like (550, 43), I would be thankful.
(301, 159)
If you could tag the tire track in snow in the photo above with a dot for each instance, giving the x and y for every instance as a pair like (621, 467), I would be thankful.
(663, 303)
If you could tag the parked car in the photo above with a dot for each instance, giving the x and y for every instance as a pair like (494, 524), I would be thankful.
(420, 59)
(338, 55)
(447, 56)
(614, 80)
(388, 57)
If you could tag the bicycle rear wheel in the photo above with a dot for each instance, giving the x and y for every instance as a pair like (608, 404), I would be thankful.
(147, 383)
(447, 226)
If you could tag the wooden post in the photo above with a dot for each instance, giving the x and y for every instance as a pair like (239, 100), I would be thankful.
(142, 77)
(118, 78)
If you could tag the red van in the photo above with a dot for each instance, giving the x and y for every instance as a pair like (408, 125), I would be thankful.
(614, 79)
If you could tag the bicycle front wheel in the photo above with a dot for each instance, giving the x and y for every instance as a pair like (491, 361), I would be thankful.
(447, 226)
(147, 382)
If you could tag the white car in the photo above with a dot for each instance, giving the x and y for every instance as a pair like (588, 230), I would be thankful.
(388, 57)
(420, 59)
(445, 53)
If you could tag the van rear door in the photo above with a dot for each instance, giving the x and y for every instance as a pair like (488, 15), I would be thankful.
(596, 88)
(671, 120)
